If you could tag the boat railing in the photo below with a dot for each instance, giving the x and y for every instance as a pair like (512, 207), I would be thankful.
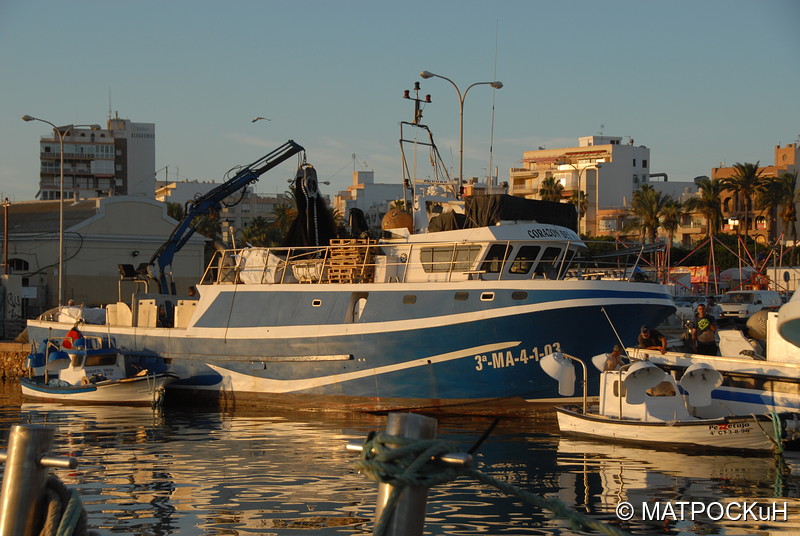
(364, 261)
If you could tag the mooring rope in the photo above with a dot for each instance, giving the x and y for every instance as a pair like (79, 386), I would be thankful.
(64, 512)
(411, 462)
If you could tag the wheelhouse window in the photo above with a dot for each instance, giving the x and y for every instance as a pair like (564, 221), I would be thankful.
(495, 258)
(524, 260)
(457, 258)
(548, 264)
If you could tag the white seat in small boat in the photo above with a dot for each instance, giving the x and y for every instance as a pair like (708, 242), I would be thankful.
(648, 398)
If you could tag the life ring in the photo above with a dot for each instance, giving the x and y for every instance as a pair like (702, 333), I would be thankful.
(84, 381)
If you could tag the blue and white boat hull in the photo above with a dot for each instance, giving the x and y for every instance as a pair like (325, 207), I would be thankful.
(479, 353)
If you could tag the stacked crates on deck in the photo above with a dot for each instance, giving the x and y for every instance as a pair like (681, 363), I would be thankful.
(351, 261)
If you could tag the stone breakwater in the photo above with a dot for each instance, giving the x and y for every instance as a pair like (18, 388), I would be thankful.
(12, 360)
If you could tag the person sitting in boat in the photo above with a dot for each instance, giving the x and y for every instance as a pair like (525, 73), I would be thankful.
(704, 332)
(614, 359)
(651, 339)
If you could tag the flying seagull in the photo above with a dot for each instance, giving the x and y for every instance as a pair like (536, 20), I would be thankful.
(259, 119)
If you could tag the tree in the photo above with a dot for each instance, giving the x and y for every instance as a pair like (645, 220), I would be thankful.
(551, 190)
(581, 203)
(204, 225)
(708, 204)
(744, 183)
(260, 232)
(283, 216)
(782, 192)
(671, 218)
(647, 207)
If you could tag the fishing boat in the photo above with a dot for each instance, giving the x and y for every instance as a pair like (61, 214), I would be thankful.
(86, 371)
(641, 403)
(449, 310)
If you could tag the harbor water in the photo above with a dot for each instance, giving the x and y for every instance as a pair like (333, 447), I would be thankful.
(183, 471)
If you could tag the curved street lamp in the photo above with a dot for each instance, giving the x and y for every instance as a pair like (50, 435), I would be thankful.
(61, 132)
(580, 171)
(496, 84)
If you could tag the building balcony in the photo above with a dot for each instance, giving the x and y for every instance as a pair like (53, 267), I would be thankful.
(67, 156)
(524, 190)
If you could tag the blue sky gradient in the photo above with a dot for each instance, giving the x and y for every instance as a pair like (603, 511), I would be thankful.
(699, 83)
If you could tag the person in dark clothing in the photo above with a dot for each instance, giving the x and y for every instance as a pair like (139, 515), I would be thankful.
(704, 332)
(651, 339)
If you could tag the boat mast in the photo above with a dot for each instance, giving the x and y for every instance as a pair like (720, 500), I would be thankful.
(439, 181)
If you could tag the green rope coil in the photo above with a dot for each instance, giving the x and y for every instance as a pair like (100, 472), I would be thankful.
(64, 512)
(412, 462)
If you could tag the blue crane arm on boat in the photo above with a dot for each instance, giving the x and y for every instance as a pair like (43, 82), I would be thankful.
(211, 202)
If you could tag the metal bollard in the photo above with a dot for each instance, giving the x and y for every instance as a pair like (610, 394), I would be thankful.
(409, 515)
(22, 494)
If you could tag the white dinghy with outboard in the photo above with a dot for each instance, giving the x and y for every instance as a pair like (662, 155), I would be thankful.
(640, 403)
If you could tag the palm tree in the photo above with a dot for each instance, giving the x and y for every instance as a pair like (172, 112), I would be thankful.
(782, 192)
(282, 217)
(581, 203)
(551, 190)
(708, 203)
(647, 207)
(260, 232)
(671, 217)
(744, 183)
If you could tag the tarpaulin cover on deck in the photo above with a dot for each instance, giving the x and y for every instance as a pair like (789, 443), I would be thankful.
(483, 210)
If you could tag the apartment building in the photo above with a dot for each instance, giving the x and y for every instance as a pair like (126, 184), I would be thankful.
(763, 223)
(117, 160)
(621, 168)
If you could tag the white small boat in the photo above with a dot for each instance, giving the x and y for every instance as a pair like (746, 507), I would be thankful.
(90, 372)
(642, 404)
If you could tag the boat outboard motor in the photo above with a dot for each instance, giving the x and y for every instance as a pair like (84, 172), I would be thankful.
(698, 381)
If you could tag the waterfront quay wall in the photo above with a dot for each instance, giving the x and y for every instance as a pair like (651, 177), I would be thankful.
(12, 360)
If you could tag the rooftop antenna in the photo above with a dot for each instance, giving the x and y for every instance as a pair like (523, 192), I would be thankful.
(109, 103)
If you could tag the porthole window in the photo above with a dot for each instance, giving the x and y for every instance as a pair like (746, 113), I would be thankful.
(519, 295)
(487, 296)
(409, 299)
(461, 296)
(316, 302)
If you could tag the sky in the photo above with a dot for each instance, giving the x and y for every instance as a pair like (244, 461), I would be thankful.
(699, 83)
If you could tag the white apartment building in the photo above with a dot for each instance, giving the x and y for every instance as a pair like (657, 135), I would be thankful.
(605, 169)
(370, 197)
(119, 160)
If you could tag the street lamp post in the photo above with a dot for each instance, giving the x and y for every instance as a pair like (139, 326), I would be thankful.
(580, 171)
(496, 84)
(61, 132)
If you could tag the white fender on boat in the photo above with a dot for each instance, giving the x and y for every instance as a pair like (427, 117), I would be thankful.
(599, 361)
(698, 381)
(791, 424)
(562, 370)
(640, 377)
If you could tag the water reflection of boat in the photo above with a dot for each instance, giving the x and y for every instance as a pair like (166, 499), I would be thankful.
(599, 476)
